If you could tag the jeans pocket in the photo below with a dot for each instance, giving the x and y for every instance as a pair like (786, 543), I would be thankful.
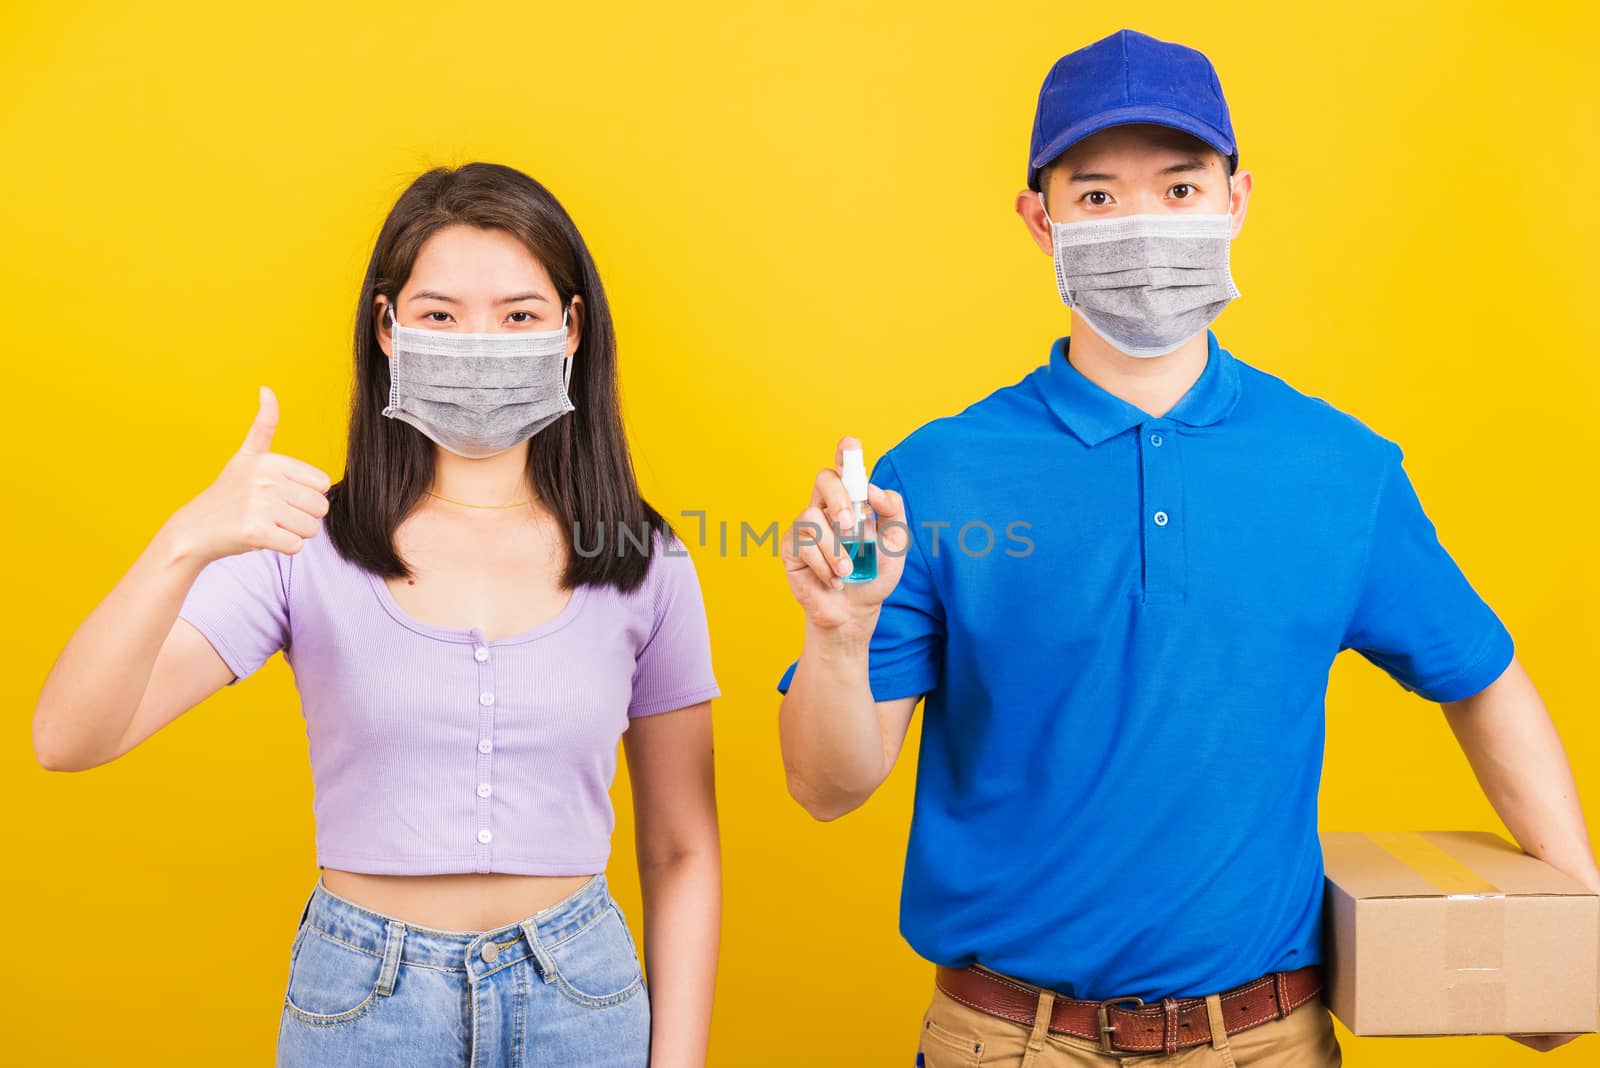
(330, 982)
(598, 966)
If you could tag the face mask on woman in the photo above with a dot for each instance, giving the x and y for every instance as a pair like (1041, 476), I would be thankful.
(478, 394)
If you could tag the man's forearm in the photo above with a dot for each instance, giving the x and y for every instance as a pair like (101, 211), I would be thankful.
(828, 725)
(1516, 753)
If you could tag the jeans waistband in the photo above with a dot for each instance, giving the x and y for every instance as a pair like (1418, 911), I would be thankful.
(396, 941)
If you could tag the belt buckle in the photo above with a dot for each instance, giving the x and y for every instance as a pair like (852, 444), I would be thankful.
(1106, 1026)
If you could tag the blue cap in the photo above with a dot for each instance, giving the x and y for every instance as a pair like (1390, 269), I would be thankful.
(1125, 78)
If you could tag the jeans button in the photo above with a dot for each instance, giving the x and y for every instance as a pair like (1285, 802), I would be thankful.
(491, 951)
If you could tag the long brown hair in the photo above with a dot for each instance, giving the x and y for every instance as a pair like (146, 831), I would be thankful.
(579, 465)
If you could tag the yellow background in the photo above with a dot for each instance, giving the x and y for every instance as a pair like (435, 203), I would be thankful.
(804, 219)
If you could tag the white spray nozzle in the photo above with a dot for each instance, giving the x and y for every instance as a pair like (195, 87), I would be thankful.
(854, 475)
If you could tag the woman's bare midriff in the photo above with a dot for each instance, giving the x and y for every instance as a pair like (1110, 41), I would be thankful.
(471, 901)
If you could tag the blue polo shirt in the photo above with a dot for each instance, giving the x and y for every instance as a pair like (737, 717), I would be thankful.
(1123, 625)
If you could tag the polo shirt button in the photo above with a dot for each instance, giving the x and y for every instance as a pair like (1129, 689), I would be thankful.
(483, 789)
(486, 698)
(1156, 439)
(480, 654)
(484, 836)
(484, 745)
(1161, 519)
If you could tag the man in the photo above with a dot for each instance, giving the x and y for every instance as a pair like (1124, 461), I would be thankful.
(1120, 584)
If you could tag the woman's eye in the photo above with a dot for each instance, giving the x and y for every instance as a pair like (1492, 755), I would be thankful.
(1104, 198)
(443, 313)
(527, 320)
(1183, 190)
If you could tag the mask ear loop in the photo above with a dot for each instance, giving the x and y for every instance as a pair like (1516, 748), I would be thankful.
(566, 360)
(394, 352)
(1055, 246)
(1227, 261)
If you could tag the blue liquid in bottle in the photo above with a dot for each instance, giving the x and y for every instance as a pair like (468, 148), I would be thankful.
(858, 539)
(864, 555)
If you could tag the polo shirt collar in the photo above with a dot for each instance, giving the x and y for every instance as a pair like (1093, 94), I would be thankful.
(1094, 414)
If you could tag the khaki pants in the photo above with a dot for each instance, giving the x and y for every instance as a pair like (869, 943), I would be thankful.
(958, 1036)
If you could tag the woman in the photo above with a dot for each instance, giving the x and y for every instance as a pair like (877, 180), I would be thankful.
(474, 614)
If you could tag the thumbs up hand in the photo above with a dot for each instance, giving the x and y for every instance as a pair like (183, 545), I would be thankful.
(261, 500)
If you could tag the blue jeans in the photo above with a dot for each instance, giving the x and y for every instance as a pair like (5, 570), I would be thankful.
(562, 987)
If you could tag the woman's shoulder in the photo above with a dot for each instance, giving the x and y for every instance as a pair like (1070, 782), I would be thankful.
(670, 568)
(670, 558)
(319, 570)
(318, 546)
(673, 580)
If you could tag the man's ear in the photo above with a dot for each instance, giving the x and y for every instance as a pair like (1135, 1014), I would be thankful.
(574, 325)
(1033, 217)
(1239, 201)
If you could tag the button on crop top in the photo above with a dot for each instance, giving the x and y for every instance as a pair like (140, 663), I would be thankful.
(434, 750)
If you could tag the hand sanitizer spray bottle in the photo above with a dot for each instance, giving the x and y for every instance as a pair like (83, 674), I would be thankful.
(859, 540)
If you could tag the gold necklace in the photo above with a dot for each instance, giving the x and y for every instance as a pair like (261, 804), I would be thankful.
(464, 504)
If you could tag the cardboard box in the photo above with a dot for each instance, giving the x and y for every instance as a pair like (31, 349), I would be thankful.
(1456, 933)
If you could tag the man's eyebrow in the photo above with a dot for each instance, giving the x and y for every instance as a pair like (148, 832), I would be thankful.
(432, 294)
(1193, 163)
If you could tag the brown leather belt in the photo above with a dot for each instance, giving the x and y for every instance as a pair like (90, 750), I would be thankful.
(1168, 1026)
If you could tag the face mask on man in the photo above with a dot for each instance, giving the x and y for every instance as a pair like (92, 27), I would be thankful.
(1145, 283)
(478, 394)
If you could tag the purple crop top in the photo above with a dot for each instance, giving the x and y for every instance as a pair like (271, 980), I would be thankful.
(433, 750)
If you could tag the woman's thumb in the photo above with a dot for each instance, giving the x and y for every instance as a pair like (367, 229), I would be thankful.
(259, 439)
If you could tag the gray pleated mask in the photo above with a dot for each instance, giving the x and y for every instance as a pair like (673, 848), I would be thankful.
(478, 394)
(1145, 283)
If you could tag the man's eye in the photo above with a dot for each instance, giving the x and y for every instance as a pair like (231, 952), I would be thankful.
(1183, 190)
(1104, 197)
